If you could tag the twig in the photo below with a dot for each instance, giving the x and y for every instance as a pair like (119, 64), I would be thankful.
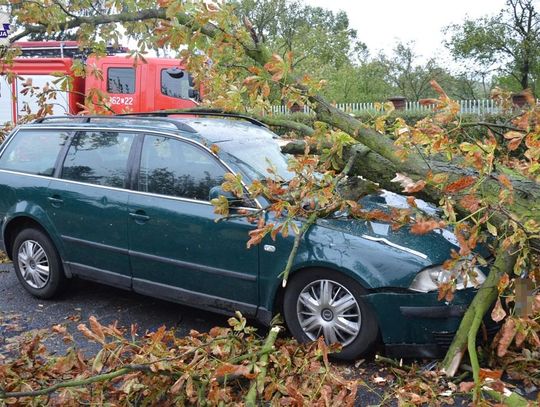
(257, 384)
(76, 383)
(310, 221)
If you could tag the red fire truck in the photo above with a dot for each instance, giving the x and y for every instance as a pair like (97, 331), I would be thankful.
(160, 83)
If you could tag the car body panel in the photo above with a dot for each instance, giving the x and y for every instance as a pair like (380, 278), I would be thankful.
(92, 223)
(25, 196)
(189, 249)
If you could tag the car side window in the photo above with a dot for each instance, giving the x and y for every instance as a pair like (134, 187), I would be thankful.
(121, 80)
(98, 157)
(33, 151)
(177, 168)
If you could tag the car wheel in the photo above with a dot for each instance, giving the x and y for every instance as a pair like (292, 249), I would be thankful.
(322, 303)
(37, 263)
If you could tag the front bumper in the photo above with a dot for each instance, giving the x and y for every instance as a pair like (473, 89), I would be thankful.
(418, 325)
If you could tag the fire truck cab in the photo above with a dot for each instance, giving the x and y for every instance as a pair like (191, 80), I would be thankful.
(132, 86)
(156, 84)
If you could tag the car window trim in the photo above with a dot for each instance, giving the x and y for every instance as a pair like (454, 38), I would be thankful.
(144, 131)
(134, 162)
(59, 164)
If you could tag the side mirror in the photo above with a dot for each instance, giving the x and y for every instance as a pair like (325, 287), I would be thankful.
(194, 94)
(175, 72)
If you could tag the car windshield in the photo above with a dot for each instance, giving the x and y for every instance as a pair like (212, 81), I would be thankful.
(255, 156)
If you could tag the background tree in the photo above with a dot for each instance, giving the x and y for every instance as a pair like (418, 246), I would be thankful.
(508, 43)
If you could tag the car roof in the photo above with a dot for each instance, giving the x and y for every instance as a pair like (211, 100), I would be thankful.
(202, 129)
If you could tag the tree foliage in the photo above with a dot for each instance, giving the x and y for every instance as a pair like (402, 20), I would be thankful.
(508, 43)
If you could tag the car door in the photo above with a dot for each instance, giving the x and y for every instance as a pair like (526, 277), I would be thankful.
(88, 205)
(178, 250)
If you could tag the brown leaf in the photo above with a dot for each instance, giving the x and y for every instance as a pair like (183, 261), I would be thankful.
(490, 374)
(465, 387)
(416, 187)
(470, 202)
(428, 102)
(411, 200)
(227, 369)
(498, 312)
(422, 226)
(96, 327)
(503, 179)
(214, 148)
(508, 331)
(460, 184)
(515, 138)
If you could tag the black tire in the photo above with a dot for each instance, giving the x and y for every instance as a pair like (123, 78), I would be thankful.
(56, 280)
(360, 344)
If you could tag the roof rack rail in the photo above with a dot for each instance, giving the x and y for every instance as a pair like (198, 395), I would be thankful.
(201, 112)
(87, 119)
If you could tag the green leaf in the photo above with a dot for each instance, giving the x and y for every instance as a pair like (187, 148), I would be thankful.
(491, 229)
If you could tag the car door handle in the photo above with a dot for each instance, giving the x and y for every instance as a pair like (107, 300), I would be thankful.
(55, 201)
(139, 216)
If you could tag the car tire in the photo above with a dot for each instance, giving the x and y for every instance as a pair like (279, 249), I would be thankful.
(309, 314)
(37, 264)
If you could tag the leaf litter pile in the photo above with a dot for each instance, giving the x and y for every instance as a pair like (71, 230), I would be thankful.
(226, 366)
(232, 366)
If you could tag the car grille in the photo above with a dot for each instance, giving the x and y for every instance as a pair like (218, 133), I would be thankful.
(444, 339)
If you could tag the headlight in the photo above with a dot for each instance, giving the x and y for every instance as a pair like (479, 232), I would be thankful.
(431, 278)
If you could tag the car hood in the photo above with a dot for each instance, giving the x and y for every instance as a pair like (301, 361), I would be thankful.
(434, 247)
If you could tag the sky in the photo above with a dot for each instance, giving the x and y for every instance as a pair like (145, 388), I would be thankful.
(383, 23)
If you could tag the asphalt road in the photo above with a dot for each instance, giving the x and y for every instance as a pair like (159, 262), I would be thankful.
(20, 312)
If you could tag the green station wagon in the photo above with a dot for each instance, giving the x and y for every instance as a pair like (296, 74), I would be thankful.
(125, 201)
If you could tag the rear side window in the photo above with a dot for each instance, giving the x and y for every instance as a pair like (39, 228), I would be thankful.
(176, 168)
(98, 158)
(33, 151)
(121, 80)
(175, 83)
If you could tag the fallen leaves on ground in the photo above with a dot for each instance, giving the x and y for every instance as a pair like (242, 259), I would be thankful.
(161, 368)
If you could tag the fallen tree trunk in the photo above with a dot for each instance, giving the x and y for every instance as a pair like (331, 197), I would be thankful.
(465, 339)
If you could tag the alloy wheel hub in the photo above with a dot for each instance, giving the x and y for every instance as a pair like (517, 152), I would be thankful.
(327, 314)
(33, 264)
(326, 308)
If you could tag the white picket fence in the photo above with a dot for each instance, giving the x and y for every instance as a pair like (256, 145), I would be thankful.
(479, 106)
